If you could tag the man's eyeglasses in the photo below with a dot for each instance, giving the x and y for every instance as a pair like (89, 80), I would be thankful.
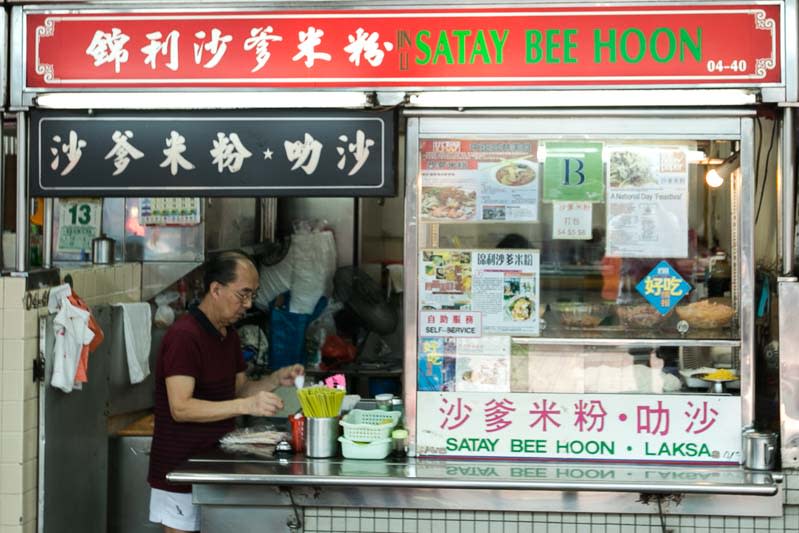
(243, 296)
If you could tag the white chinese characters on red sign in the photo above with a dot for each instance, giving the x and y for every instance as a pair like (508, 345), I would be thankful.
(110, 46)
(702, 428)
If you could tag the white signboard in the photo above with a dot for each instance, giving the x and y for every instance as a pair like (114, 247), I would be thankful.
(571, 220)
(647, 208)
(701, 428)
(450, 324)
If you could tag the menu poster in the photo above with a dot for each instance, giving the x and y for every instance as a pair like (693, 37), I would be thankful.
(449, 364)
(647, 211)
(479, 180)
(483, 364)
(501, 285)
(436, 364)
(573, 172)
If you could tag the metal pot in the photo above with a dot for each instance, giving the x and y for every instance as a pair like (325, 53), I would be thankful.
(103, 250)
(760, 450)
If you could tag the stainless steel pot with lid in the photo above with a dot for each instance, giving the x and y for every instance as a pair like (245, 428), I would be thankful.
(103, 250)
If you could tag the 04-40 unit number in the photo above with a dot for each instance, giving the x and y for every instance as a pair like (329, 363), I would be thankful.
(737, 65)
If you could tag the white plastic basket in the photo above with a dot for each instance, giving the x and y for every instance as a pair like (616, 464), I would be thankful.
(378, 449)
(367, 426)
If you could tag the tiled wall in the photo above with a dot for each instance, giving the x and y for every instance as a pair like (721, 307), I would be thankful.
(331, 520)
(325, 520)
(18, 392)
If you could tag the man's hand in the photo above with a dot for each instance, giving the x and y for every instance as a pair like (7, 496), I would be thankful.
(284, 377)
(263, 404)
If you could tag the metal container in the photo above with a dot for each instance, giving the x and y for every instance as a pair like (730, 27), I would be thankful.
(321, 437)
(102, 250)
(759, 450)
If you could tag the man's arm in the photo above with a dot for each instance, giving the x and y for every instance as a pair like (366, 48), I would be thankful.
(185, 408)
(283, 377)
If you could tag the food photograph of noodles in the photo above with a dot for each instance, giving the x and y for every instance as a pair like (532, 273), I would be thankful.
(449, 203)
(516, 173)
(630, 169)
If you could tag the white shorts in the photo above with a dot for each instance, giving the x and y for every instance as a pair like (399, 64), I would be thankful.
(174, 509)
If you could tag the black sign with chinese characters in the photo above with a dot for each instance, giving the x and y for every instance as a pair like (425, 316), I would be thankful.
(241, 153)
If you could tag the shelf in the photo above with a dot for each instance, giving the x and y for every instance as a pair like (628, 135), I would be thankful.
(597, 337)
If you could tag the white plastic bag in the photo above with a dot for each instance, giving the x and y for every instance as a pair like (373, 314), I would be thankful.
(164, 314)
(273, 280)
(313, 255)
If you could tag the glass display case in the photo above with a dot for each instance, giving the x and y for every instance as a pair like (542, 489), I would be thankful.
(580, 291)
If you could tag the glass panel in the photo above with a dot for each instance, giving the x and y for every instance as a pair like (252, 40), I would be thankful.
(645, 251)
(603, 370)
(577, 300)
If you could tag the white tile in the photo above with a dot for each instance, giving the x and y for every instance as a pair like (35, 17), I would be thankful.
(29, 506)
(30, 444)
(13, 354)
(12, 385)
(31, 324)
(10, 478)
(14, 293)
(30, 387)
(12, 418)
(30, 414)
(14, 324)
(10, 511)
(29, 475)
(12, 448)
(30, 350)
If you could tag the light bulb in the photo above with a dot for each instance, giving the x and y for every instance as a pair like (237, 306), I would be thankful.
(713, 178)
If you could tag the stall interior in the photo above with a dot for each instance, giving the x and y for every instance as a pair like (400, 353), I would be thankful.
(319, 303)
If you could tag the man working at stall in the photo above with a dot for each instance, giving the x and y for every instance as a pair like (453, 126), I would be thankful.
(200, 385)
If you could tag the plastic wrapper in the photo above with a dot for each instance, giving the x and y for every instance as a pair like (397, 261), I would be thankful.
(164, 314)
(318, 331)
(273, 280)
(254, 344)
(313, 256)
(254, 435)
(337, 351)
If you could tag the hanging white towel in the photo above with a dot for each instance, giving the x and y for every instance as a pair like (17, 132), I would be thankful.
(137, 326)
(71, 328)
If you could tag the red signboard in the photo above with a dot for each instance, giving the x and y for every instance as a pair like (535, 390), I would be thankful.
(707, 45)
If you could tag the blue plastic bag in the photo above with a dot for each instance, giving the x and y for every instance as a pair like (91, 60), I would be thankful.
(287, 333)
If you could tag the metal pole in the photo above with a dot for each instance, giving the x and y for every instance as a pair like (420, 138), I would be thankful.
(22, 192)
(47, 234)
(787, 175)
(2, 187)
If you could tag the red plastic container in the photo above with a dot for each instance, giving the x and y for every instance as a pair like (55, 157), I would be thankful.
(297, 423)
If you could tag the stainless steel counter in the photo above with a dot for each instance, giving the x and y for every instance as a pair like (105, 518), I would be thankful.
(221, 467)
(273, 491)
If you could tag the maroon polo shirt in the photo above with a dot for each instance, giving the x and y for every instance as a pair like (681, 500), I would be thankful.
(192, 347)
